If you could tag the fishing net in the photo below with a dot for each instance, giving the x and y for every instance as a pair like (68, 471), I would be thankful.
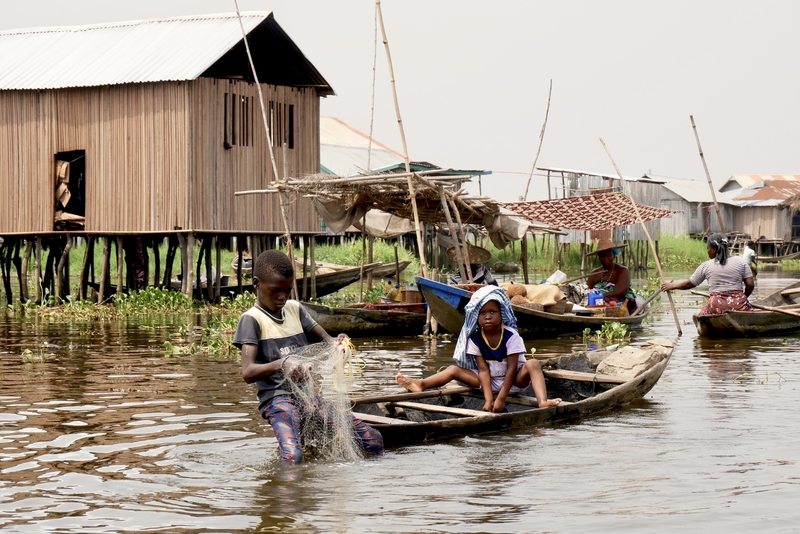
(320, 377)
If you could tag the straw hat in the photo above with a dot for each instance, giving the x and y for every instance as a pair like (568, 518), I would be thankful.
(606, 244)
(476, 254)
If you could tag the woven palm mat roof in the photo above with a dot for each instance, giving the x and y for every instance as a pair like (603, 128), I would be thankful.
(590, 212)
(390, 194)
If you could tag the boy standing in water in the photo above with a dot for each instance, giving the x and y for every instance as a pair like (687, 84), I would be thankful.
(490, 355)
(273, 329)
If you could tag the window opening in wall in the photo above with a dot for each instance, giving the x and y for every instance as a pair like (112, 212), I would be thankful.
(70, 190)
(225, 142)
(281, 124)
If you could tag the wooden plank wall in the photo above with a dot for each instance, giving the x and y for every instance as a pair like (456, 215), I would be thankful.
(216, 173)
(767, 221)
(135, 137)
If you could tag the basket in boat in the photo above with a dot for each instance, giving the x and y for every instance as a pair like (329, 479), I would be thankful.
(533, 306)
(559, 307)
(616, 311)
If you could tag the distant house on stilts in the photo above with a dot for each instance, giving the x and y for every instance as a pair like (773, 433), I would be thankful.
(135, 131)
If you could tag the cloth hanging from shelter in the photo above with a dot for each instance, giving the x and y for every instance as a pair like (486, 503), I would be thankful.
(336, 215)
(385, 225)
(503, 229)
(589, 212)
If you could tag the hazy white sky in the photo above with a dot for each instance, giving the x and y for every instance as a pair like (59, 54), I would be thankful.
(473, 75)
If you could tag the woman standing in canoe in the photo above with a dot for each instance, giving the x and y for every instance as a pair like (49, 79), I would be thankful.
(725, 275)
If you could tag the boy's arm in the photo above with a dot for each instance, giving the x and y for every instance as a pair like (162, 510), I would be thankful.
(252, 371)
(508, 381)
(486, 383)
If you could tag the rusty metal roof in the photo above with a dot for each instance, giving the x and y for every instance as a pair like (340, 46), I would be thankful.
(762, 189)
(157, 50)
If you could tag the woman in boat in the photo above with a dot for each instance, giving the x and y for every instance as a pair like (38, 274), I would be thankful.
(489, 354)
(725, 276)
(480, 273)
(613, 279)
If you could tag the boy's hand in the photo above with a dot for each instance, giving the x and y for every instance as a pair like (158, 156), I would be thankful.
(342, 338)
(295, 370)
(487, 405)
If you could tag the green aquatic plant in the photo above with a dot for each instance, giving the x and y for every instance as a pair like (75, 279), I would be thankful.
(761, 380)
(29, 356)
(611, 332)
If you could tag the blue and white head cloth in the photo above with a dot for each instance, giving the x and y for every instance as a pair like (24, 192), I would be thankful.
(478, 300)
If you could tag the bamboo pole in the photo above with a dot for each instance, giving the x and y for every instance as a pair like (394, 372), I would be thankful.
(649, 239)
(209, 281)
(639, 310)
(305, 268)
(459, 257)
(363, 258)
(313, 270)
(189, 275)
(464, 243)
(421, 245)
(523, 249)
(708, 176)
(240, 250)
(538, 150)
(284, 203)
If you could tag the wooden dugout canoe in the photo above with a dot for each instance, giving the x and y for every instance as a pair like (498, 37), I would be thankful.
(407, 418)
(756, 323)
(447, 307)
(359, 321)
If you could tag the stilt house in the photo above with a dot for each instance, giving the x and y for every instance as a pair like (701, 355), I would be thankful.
(147, 128)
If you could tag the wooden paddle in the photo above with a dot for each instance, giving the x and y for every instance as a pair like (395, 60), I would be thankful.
(758, 306)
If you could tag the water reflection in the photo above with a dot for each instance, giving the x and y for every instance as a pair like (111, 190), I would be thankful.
(100, 431)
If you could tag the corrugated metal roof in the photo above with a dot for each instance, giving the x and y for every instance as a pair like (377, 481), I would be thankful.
(343, 149)
(174, 49)
(765, 189)
(695, 191)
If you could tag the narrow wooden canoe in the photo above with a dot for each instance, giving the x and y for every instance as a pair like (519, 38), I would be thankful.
(326, 283)
(360, 321)
(406, 418)
(756, 323)
(777, 259)
(447, 307)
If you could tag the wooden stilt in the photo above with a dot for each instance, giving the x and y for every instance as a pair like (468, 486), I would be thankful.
(370, 245)
(172, 247)
(120, 262)
(54, 251)
(88, 256)
(313, 270)
(305, 268)
(240, 248)
(25, 259)
(38, 270)
(104, 268)
(200, 257)
(156, 260)
(189, 256)
(209, 275)
(61, 290)
(523, 247)
(218, 276)
(5, 258)
(182, 243)
(17, 261)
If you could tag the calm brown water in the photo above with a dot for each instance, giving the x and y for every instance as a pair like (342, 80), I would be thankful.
(100, 432)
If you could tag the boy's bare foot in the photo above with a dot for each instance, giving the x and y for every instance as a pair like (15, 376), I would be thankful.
(549, 402)
(410, 384)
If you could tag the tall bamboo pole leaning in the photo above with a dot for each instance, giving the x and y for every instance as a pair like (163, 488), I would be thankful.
(708, 176)
(423, 266)
(459, 258)
(538, 150)
(283, 203)
(649, 239)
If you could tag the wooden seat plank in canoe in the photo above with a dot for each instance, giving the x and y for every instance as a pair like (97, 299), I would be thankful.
(379, 420)
(583, 377)
(438, 409)
(458, 390)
